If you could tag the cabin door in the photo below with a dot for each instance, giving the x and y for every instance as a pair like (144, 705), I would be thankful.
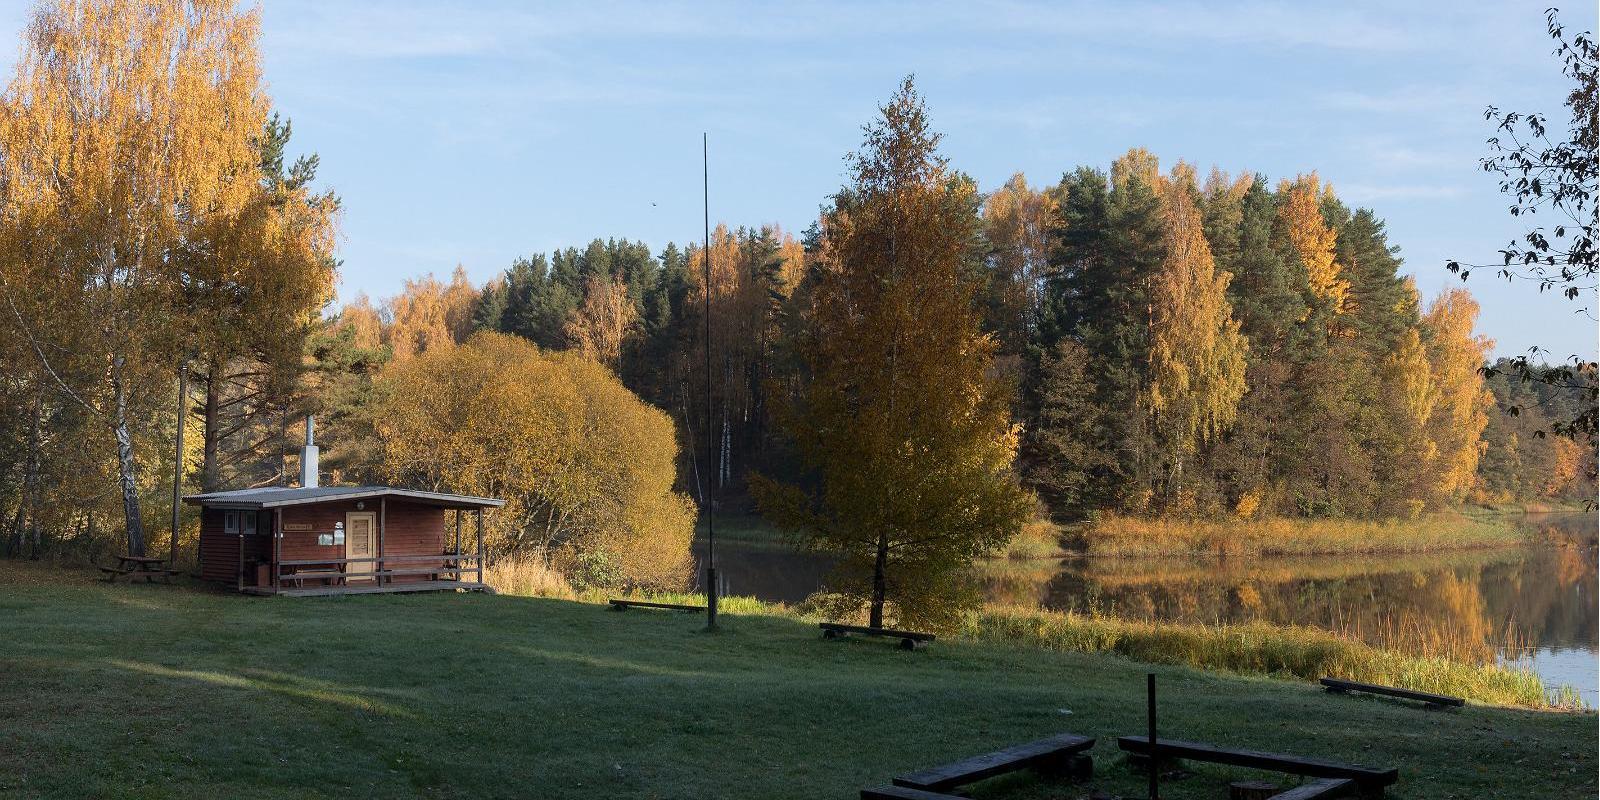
(360, 541)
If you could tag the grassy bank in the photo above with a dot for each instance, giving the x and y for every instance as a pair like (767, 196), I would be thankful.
(1304, 653)
(155, 692)
(1124, 536)
(1295, 652)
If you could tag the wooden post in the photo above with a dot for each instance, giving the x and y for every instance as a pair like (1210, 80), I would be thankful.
(177, 462)
(240, 539)
(383, 516)
(1155, 759)
(479, 514)
(277, 546)
(457, 549)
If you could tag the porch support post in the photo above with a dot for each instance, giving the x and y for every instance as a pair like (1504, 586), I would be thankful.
(277, 546)
(457, 549)
(240, 539)
(383, 516)
(479, 514)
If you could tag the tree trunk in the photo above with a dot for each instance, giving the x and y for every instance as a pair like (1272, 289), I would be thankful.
(879, 582)
(127, 468)
(28, 498)
(14, 539)
(208, 465)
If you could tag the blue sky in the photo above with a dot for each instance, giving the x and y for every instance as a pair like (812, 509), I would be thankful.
(476, 133)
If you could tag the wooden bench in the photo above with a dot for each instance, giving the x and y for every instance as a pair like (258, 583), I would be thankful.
(909, 640)
(624, 605)
(1318, 789)
(1369, 780)
(301, 576)
(902, 793)
(1059, 753)
(1341, 686)
(149, 575)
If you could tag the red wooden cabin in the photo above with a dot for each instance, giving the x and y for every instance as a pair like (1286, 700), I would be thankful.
(318, 540)
(340, 539)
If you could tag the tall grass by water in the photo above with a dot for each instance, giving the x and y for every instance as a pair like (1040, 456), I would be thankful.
(1256, 647)
(1129, 536)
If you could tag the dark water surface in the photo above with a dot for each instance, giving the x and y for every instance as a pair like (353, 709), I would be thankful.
(1534, 605)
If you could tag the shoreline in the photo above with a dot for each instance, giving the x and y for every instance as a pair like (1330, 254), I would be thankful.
(1277, 537)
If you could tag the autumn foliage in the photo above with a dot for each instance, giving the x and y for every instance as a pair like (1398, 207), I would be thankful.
(586, 469)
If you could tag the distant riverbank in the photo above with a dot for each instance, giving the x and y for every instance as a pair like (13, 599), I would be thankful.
(1146, 537)
(1125, 536)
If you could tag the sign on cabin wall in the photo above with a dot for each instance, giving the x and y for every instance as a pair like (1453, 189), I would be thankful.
(298, 526)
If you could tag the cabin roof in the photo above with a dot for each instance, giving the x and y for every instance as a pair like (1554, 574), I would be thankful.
(277, 497)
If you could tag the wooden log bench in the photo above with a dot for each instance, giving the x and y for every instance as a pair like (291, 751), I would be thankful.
(909, 640)
(1318, 790)
(1059, 754)
(903, 793)
(624, 605)
(1370, 781)
(1341, 686)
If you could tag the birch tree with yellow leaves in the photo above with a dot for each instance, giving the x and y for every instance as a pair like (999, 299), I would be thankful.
(1300, 213)
(1197, 354)
(1456, 357)
(127, 132)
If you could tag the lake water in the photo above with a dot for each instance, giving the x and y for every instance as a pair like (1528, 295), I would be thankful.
(1534, 605)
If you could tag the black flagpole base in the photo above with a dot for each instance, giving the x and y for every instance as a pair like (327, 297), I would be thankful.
(711, 597)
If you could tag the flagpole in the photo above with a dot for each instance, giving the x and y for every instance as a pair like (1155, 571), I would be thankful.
(712, 471)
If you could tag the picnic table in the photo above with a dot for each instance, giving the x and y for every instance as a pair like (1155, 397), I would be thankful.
(147, 567)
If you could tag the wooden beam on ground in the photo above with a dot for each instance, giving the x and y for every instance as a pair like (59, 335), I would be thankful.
(909, 640)
(1318, 790)
(902, 793)
(1341, 686)
(1053, 752)
(624, 605)
(1370, 780)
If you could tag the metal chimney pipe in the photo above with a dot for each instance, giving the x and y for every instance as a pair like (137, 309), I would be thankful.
(308, 457)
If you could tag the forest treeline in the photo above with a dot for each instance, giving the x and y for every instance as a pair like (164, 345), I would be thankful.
(1225, 346)
(1162, 343)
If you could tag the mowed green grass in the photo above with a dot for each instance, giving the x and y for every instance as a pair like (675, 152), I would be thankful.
(156, 691)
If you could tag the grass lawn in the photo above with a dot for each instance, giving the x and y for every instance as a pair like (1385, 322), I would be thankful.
(157, 691)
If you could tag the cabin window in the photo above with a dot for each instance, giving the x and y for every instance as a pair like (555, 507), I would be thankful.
(239, 522)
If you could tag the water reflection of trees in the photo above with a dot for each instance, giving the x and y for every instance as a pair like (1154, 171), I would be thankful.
(1465, 605)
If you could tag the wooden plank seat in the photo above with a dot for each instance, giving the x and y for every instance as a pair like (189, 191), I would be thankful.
(1341, 686)
(624, 605)
(1058, 753)
(909, 640)
(1369, 780)
(1318, 790)
(902, 793)
(302, 575)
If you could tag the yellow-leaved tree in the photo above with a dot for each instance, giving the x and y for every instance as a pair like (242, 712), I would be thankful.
(1197, 354)
(1300, 212)
(1460, 412)
(599, 326)
(429, 314)
(586, 468)
(903, 422)
(1018, 221)
(127, 141)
